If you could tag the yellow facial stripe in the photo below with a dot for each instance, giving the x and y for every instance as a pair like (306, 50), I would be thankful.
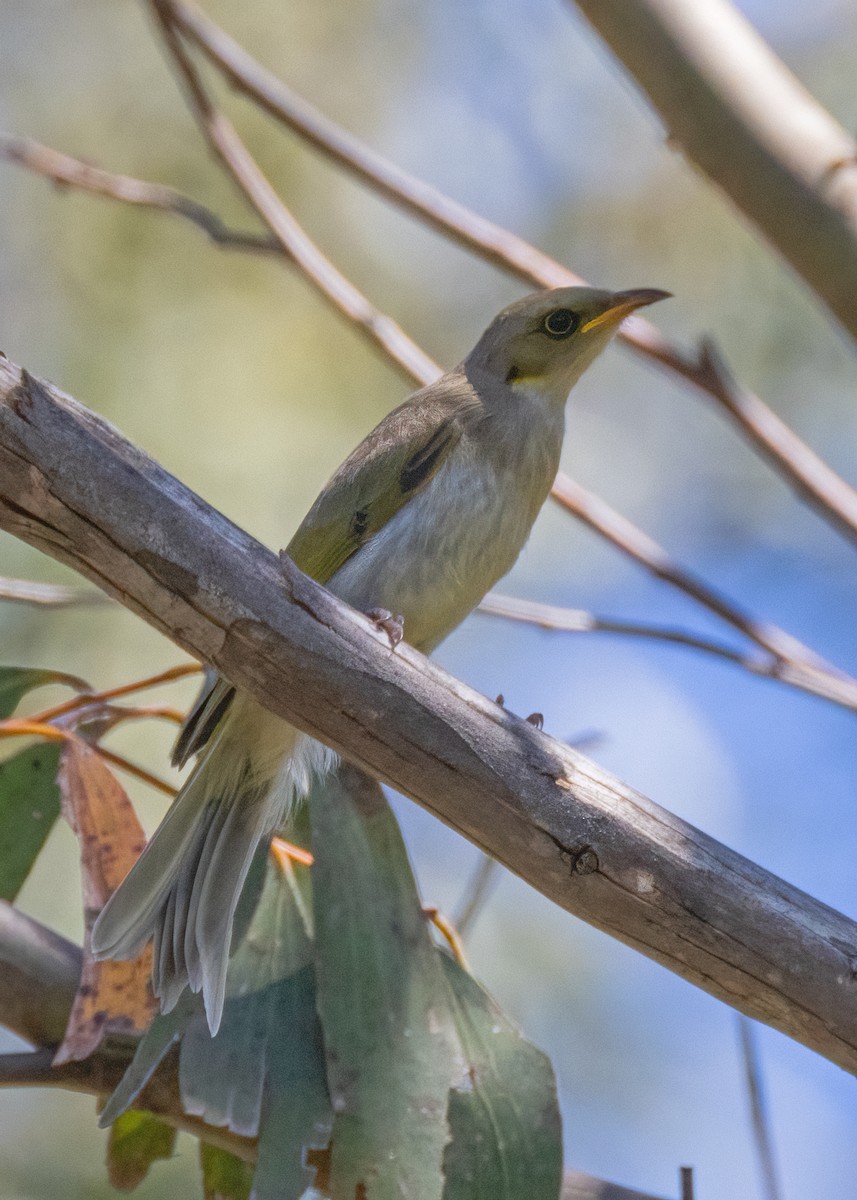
(610, 317)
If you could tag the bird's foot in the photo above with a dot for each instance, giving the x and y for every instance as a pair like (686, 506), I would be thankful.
(536, 719)
(394, 627)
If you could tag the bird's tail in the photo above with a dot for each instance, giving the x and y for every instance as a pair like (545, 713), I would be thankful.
(184, 888)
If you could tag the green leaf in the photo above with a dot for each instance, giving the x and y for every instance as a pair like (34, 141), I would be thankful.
(224, 1177)
(223, 1079)
(393, 1052)
(505, 1124)
(137, 1139)
(296, 1116)
(264, 1073)
(29, 806)
(15, 682)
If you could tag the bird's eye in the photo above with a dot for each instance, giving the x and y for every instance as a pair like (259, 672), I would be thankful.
(561, 323)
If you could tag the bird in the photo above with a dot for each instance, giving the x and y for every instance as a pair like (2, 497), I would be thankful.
(422, 519)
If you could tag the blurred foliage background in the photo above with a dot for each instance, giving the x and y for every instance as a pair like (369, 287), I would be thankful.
(231, 373)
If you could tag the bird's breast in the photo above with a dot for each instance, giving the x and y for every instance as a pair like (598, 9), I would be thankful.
(442, 551)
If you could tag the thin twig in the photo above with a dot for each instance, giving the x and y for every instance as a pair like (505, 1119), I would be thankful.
(812, 479)
(493, 243)
(15, 728)
(49, 595)
(686, 1182)
(476, 892)
(158, 712)
(53, 733)
(70, 172)
(124, 689)
(124, 764)
(809, 678)
(809, 476)
(623, 534)
(222, 137)
(762, 1136)
(99, 1074)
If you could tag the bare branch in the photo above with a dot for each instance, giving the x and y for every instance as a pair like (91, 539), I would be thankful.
(686, 1180)
(70, 172)
(828, 683)
(99, 1074)
(812, 479)
(493, 243)
(762, 1136)
(48, 595)
(801, 662)
(475, 894)
(221, 136)
(808, 475)
(569, 828)
(751, 127)
(577, 1186)
(39, 974)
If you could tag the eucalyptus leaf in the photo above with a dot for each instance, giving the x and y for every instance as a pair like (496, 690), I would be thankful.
(393, 1052)
(223, 1079)
(137, 1139)
(296, 1116)
(15, 682)
(264, 1073)
(506, 1134)
(29, 806)
(224, 1177)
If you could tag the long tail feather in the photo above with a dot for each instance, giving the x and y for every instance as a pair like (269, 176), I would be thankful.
(185, 887)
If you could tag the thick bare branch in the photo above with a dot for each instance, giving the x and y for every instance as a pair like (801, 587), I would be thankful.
(71, 486)
(39, 974)
(751, 127)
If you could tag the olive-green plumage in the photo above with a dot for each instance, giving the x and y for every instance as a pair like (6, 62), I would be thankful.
(425, 516)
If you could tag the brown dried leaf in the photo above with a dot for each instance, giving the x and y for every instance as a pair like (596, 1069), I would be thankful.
(113, 997)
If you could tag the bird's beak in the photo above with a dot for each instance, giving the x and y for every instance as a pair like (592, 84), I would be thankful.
(624, 303)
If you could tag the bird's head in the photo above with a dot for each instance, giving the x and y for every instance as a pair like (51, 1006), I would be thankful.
(546, 341)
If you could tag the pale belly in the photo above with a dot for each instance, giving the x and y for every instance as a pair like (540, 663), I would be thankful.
(436, 559)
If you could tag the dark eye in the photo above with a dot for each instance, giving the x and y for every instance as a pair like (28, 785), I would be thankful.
(561, 323)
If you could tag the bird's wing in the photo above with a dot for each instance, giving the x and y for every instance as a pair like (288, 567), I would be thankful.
(202, 720)
(395, 462)
(388, 468)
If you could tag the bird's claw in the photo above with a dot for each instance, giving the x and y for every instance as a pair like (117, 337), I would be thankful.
(394, 627)
(536, 719)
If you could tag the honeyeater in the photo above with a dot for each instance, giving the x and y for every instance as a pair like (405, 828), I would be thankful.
(425, 516)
